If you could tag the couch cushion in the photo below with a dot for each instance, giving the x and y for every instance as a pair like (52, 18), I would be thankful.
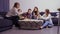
(3, 14)
(53, 14)
(55, 21)
(5, 22)
(41, 13)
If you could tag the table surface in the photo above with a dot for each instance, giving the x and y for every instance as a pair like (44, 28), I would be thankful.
(30, 20)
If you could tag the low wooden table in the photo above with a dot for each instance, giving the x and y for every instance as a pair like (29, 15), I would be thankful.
(30, 23)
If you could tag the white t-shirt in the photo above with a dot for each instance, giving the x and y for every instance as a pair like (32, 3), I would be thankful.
(13, 12)
(47, 18)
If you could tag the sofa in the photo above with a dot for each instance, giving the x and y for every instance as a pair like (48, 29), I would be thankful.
(5, 24)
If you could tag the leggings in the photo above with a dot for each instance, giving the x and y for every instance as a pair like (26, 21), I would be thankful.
(14, 20)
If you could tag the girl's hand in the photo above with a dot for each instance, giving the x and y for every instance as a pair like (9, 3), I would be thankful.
(38, 16)
(19, 10)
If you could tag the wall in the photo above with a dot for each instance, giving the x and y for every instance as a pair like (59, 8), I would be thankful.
(41, 4)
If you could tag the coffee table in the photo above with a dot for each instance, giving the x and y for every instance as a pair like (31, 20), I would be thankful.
(30, 23)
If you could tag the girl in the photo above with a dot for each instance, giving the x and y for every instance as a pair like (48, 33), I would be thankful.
(35, 13)
(47, 18)
(14, 13)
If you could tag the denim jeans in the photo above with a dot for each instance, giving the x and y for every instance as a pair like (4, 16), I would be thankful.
(47, 23)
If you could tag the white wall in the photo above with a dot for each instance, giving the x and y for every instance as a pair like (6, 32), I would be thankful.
(41, 4)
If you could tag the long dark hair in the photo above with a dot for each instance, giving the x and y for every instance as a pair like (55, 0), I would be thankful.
(58, 9)
(47, 11)
(36, 12)
(15, 5)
